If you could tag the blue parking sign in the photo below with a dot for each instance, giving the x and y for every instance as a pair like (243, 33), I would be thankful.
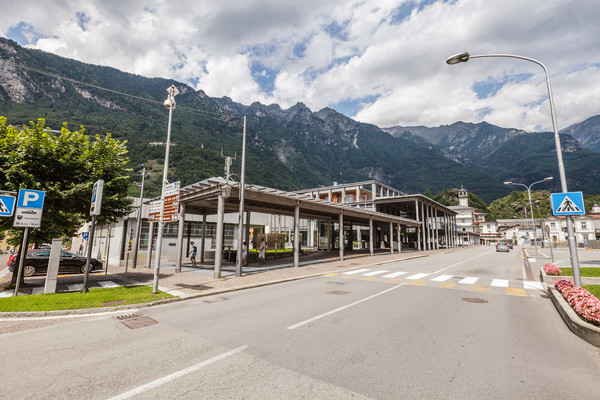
(31, 198)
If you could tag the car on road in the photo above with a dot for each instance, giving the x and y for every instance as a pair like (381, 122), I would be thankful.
(502, 247)
(36, 263)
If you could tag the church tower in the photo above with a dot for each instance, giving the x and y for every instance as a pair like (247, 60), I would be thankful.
(463, 197)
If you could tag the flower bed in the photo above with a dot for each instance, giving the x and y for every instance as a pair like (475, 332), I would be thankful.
(585, 304)
(552, 269)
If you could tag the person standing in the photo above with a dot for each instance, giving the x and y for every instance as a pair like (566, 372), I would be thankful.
(193, 254)
(244, 254)
(263, 248)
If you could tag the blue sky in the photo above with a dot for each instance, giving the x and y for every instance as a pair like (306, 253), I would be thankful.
(378, 61)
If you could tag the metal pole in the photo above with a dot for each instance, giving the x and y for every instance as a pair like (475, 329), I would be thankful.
(532, 220)
(138, 225)
(23, 251)
(238, 267)
(89, 255)
(161, 223)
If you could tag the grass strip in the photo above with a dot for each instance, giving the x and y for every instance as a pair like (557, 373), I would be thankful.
(587, 272)
(593, 289)
(95, 298)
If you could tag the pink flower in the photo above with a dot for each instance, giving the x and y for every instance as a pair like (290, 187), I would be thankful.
(585, 304)
(552, 269)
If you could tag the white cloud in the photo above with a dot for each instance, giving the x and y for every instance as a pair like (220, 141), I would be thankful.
(326, 52)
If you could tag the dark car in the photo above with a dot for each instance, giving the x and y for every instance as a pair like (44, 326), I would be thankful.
(37, 263)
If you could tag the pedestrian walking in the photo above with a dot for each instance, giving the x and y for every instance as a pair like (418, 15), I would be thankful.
(244, 254)
(263, 249)
(192, 254)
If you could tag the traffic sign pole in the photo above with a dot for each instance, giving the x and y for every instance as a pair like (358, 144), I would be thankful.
(23, 252)
(89, 255)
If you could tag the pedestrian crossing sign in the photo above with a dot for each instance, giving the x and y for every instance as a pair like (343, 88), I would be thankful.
(570, 203)
(7, 206)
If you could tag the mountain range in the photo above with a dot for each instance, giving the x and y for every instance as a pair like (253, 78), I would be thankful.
(290, 148)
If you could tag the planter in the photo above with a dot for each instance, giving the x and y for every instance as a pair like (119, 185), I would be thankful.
(551, 279)
(588, 332)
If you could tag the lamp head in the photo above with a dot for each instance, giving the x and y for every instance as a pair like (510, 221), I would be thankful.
(508, 183)
(226, 191)
(168, 103)
(458, 58)
(548, 178)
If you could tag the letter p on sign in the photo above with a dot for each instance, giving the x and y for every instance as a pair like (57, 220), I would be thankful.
(31, 199)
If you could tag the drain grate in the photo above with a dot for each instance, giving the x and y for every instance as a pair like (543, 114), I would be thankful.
(134, 321)
(218, 299)
(474, 300)
(338, 292)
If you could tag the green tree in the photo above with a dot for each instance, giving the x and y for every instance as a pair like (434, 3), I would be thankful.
(65, 165)
(427, 193)
(512, 205)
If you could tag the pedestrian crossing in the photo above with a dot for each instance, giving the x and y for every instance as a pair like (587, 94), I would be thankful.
(445, 281)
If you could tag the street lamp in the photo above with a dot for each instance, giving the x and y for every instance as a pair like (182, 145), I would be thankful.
(530, 205)
(170, 104)
(464, 57)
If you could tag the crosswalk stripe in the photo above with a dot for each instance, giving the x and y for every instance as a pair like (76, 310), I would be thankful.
(499, 283)
(369, 278)
(417, 276)
(516, 292)
(332, 274)
(373, 273)
(395, 274)
(470, 280)
(108, 284)
(442, 278)
(533, 285)
(356, 271)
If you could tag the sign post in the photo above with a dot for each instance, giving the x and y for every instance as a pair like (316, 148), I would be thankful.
(94, 212)
(30, 205)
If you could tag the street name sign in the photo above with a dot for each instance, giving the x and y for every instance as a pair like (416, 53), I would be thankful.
(171, 207)
(7, 206)
(30, 205)
(570, 203)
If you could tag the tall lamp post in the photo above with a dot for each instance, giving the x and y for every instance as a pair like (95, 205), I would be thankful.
(464, 57)
(170, 104)
(530, 205)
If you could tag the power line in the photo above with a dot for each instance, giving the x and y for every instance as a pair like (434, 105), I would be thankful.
(75, 81)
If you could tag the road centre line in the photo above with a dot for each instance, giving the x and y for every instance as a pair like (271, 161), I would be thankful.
(460, 262)
(308, 321)
(178, 374)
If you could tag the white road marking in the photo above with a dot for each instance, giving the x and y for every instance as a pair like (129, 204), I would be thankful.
(395, 274)
(417, 276)
(499, 283)
(533, 285)
(469, 280)
(75, 287)
(108, 284)
(356, 271)
(126, 311)
(308, 321)
(374, 273)
(178, 374)
(460, 262)
(442, 278)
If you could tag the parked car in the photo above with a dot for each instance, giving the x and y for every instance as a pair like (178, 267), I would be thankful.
(36, 263)
(510, 245)
(502, 247)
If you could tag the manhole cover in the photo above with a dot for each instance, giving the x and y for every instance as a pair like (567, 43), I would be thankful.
(338, 292)
(211, 300)
(474, 300)
(335, 283)
(134, 321)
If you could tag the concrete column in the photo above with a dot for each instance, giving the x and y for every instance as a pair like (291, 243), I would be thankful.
(373, 191)
(371, 236)
(437, 234)
(399, 239)
(357, 194)
(219, 246)
(329, 195)
(391, 238)
(341, 237)
(343, 195)
(150, 240)
(418, 227)
(426, 235)
(181, 225)
(297, 236)
(247, 230)
(203, 241)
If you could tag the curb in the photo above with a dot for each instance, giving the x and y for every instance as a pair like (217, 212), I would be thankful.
(210, 292)
(584, 330)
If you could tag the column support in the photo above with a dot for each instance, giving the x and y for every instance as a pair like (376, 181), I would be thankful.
(297, 236)
(219, 238)
(180, 227)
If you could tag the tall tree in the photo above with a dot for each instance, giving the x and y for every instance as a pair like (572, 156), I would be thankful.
(65, 165)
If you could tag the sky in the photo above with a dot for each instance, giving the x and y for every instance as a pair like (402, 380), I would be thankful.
(377, 61)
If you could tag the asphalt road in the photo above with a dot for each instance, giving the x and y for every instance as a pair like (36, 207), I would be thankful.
(461, 325)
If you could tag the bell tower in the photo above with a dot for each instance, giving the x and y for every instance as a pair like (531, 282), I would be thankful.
(463, 197)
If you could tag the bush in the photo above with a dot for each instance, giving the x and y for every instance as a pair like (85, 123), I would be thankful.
(585, 304)
(552, 269)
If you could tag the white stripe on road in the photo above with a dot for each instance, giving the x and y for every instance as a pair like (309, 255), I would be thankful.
(417, 276)
(442, 278)
(500, 283)
(469, 280)
(395, 274)
(308, 321)
(533, 285)
(175, 375)
(74, 288)
(108, 284)
(374, 273)
(356, 271)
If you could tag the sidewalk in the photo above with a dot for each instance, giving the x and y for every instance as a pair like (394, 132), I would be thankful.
(200, 281)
